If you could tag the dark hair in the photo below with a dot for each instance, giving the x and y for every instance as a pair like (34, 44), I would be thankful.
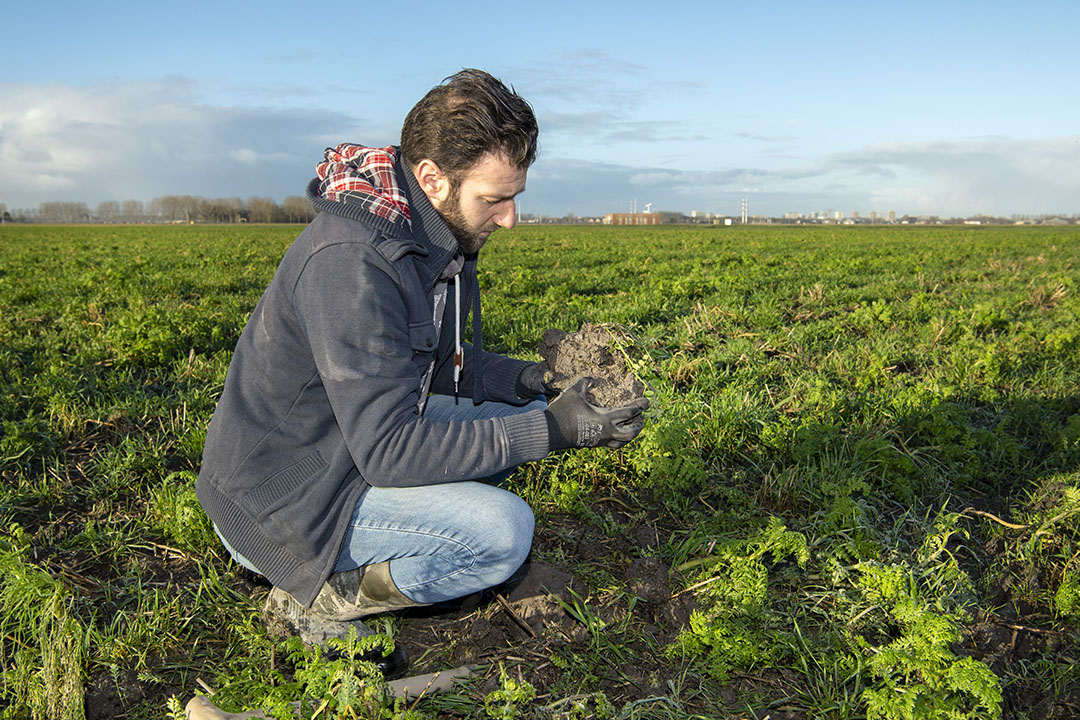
(469, 115)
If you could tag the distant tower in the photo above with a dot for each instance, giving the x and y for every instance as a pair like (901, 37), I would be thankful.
(744, 211)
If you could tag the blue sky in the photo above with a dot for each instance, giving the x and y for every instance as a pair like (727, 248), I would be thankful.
(945, 108)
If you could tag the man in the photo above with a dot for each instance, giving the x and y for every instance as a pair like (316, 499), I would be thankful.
(351, 456)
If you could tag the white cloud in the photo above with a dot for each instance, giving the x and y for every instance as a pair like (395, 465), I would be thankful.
(49, 183)
(247, 156)
(654, 178)
(697, 179)
(992, 175)
(590, 77)
(948, 178)
(142, 140)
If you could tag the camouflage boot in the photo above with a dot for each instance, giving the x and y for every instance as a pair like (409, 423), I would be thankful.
(358, 593)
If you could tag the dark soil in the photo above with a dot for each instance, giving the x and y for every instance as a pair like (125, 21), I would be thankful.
(592, 352)
(528, 625)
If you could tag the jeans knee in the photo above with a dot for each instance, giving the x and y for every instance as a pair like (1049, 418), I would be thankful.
(510, 535)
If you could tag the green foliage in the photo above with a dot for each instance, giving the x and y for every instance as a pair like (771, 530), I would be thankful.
(664, 455)
(591, 706)
(175, 708)
(1047, 542)
(1067, 597)
(734, 631)
(919, 677)
(44, 650)
(837, 414)
(345, 686)
(174, 511)
(510, 699)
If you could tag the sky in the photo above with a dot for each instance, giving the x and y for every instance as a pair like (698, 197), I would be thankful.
(922, 108)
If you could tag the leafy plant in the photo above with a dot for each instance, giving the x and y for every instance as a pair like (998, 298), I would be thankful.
(1067, 597)
(919, 677)
(733, 631)
(508, 701)
(174, 511)
(44, 651)
(343, 686)
(904, 400)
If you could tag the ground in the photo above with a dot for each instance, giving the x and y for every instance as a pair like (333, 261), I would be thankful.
(530, 633)
(599, 608)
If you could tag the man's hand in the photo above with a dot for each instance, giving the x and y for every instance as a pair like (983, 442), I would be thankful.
(535, 380)
(574, 422)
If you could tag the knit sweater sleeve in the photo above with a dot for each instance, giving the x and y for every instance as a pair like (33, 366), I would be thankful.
(369, 353)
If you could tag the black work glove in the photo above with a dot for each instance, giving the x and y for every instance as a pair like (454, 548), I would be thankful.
(535, 380)
(575, 422)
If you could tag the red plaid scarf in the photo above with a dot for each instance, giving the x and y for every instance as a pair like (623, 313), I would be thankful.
(364, 176)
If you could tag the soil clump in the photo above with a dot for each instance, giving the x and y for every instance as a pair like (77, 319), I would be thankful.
(596, 352)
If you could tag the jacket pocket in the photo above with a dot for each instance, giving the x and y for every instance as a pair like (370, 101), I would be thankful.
(279, 485)
(422, 337)
(422, 340)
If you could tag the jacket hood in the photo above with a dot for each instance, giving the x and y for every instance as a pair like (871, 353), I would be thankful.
(375, 187)
(365, 178)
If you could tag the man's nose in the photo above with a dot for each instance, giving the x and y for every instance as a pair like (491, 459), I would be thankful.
(508, 217)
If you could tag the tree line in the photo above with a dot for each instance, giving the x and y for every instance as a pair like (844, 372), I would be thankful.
(168, 209)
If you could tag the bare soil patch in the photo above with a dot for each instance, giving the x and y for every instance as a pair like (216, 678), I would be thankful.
(530, 625)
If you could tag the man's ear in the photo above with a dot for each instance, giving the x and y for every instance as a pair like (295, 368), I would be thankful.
(433, 181)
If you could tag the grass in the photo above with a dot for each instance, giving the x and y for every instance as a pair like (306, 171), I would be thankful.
(856, 496)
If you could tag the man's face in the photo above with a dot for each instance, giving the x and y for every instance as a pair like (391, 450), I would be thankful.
(482, 201)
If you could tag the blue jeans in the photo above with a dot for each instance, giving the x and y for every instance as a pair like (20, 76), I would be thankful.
(443, 541)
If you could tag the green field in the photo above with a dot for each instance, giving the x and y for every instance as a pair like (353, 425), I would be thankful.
(858, 494)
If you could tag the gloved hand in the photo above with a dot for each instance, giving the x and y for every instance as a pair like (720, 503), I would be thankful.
(535, 380)
(575, 422)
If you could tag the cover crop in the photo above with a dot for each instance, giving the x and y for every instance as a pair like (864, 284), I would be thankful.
(857, 494)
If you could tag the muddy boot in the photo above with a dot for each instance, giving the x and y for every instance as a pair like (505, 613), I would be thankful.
(344, 599)
(358, 593)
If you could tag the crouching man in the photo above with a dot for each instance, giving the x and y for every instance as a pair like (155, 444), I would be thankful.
(351, 456)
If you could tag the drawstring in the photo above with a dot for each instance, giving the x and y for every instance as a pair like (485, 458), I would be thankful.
(459, 356)
(477, 342)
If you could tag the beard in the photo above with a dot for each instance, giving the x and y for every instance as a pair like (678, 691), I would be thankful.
(469, 240)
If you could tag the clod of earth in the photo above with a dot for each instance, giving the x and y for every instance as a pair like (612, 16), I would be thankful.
(592, 352)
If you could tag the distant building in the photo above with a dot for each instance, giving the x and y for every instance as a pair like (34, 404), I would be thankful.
(632, 219)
